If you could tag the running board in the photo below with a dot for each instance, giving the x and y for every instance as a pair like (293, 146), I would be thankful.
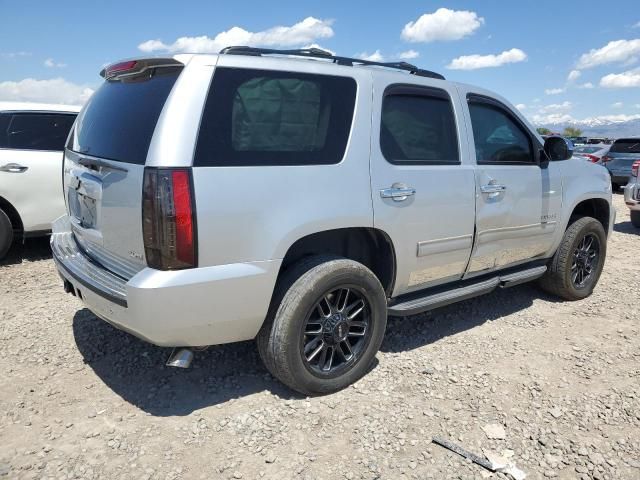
(442, 298)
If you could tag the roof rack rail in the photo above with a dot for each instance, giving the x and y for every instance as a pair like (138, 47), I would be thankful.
(319, 53)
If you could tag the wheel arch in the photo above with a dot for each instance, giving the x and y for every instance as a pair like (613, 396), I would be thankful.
(370, 246)
(598, 208)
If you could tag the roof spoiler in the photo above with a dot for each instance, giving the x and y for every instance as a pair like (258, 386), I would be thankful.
(129, 68)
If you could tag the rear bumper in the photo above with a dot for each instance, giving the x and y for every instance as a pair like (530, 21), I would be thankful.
(200, 306)
(632, 196)
(619, 179)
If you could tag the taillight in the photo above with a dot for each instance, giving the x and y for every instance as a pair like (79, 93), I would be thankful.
(634, 168)
(606, 159)
(593, 158)
(117, 68)
(168, 218)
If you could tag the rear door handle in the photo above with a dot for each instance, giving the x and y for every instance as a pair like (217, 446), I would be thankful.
(493, 188)
(13, 168)
(399, 192)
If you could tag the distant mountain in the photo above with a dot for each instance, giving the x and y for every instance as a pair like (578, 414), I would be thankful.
(598, 127)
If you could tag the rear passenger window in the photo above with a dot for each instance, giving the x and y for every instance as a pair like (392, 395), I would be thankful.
(260, 117)
(497, 137)
(418, 127)
(37, 131)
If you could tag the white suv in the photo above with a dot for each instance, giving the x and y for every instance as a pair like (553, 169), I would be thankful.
(32, 138)
(298, 198)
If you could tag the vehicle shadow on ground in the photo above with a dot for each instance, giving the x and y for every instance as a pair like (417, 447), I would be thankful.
(136, 371)
(626, 227)
(32, 250)
(408, 333)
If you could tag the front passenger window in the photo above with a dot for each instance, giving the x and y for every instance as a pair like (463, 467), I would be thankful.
(497, 137)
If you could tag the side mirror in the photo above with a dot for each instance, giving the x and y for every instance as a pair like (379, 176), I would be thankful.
(558, 148)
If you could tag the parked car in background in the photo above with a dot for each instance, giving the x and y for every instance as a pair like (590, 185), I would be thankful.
(592, 153)
(577, 141)
(298, 202)
(621, 156)
(32, 138)
(632, 194)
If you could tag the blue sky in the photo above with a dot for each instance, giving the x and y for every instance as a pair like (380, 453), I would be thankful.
(53, 51)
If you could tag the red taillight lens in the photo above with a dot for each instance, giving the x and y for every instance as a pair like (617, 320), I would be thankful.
(168, 218)
(606, 159)
(634, 168)
(593, 158)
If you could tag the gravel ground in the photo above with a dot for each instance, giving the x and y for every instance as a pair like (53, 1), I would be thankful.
(557, 383)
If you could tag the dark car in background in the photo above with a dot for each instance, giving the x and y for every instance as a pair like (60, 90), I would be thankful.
(622, 154)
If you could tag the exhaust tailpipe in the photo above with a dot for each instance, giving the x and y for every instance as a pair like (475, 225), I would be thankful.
(180, 358)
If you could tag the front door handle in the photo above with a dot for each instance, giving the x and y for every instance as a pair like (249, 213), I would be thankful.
(399, 192)
(13, 168)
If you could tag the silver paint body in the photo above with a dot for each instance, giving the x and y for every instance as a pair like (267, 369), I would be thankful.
(248, 217)
(632, 193)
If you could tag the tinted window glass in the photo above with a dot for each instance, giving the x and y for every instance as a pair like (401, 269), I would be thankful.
(35, 131)
(120, 117)
(586, 149)
(497, 137)
(259, 117)
(418, 129)
(5, 118)
(628, 145)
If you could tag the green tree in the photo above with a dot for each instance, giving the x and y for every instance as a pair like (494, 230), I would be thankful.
(572, 132)
(543, 131)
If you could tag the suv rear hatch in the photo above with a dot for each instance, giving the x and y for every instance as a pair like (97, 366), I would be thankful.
(105, 160)
(621, 156)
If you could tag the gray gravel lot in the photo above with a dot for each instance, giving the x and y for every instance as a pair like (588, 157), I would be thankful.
(80, 399)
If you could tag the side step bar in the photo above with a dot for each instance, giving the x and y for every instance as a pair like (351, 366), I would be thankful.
(442, 298)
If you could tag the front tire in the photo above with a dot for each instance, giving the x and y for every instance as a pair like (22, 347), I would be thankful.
(635, 218)
(325, 325)
(574, 270)
(6, 234)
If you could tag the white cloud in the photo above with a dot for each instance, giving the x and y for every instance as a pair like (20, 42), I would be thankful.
(630, 78)
(55, 90)
(473, 62)
(555, 118)
(51, 64)
(552, 118)
(15, 54)
(573, 75)
(556, 108)
(617, 105)
(373, 57)
(554, 91)
(637, 105)
(304, 32)
(409, 54)
(442, 25)
(617, 51)
(637, 25)
(586, 85)
(521, 106)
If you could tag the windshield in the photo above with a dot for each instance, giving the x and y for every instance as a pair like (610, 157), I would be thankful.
(120, 117)
(630, 145)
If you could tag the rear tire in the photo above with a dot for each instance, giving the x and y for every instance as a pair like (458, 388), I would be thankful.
(6, 234)
(574, 270)
(325, 325)
(635, 218)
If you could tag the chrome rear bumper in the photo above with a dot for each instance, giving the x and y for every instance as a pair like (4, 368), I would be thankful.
(71, 260)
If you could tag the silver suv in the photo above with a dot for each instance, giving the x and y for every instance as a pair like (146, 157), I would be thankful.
(298, 198)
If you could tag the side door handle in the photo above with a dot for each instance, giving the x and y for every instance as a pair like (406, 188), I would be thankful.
(13, 168)
(493, 188)
(399, 192)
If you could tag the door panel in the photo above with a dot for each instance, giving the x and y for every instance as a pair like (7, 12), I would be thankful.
(35, 192)
(432, 228)
(518, 202)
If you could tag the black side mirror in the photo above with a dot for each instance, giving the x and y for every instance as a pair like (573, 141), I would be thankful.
(558, 148)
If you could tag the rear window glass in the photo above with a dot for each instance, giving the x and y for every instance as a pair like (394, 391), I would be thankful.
(260, 117)
(35, 131)
(120, 117)
(587, 149)
(626, 146)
